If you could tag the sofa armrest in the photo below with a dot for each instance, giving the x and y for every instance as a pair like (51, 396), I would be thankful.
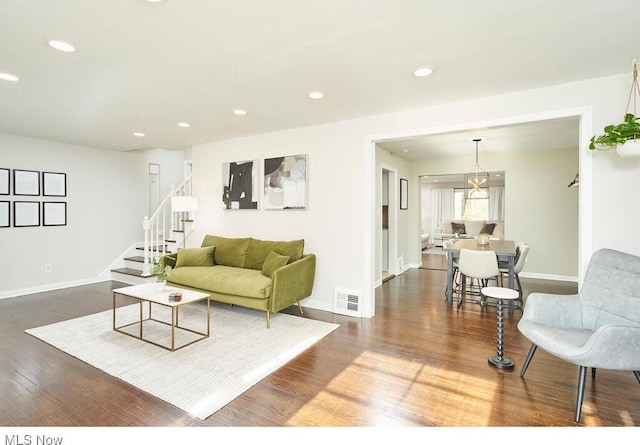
(292, 283)
(168, 260)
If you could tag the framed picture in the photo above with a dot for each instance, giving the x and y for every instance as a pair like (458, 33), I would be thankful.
(404, 194)
(54, 184)
(240, 185)
(4, 181)
(285, 182)
(26, 214)
(26, 183)
(54, 213)
(5, 214)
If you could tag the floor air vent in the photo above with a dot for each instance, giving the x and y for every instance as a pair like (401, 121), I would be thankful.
(347, 302)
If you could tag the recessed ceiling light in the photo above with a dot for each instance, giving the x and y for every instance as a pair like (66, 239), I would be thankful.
(62, 46)
(9, 77)
(404, 150)
(140, 135)
(184, 124)
(423, 72)
(316, 95)
(239, 112)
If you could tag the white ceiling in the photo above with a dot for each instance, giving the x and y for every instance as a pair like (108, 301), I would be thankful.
(143, 66)
(548, 134)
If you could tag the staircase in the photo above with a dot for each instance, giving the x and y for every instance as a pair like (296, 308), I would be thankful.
(164, 233)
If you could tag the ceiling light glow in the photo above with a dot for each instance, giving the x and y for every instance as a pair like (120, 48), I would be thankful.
(140, 135)
(240, 112)
(9, 77)
(62, 46)
(423, 72)
(184, 124)
(316, 95)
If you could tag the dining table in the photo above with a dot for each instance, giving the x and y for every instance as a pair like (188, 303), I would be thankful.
(505, 251)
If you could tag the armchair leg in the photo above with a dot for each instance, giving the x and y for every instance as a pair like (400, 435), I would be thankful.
(268, 320)
(581, 382)
(300, 308)
(532, 351)
(637, 374)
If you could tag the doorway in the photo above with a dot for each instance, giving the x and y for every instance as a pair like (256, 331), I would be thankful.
(584, 116)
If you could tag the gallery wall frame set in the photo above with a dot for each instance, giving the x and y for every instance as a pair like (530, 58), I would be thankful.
(28, 213)
(30, 183)
(284, 184)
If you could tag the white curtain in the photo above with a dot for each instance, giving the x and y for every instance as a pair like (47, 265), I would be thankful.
(496, 203)
(442, 206)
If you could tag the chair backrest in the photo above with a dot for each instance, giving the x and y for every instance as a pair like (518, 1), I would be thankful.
(521, 257)
(478, 263)
(610, 293)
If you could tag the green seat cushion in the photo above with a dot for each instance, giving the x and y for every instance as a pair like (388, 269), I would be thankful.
(195, 256)
(274, 261)
(229, 251)
(259, 250)
(224, 280)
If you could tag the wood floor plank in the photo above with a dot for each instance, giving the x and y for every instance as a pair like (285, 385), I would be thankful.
(417, 362)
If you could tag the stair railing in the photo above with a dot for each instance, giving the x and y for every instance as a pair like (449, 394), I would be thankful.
(157, 227)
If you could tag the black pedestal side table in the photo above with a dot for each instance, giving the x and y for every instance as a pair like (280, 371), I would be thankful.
(500, 293)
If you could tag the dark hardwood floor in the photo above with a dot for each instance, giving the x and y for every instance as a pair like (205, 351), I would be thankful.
(418, 362)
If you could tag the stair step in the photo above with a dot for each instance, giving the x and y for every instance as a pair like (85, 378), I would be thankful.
(137, 259)
(129, 271)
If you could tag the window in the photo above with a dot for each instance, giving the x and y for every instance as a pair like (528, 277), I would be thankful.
(476, 209)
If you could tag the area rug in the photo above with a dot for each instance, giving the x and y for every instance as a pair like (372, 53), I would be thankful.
(202, 377)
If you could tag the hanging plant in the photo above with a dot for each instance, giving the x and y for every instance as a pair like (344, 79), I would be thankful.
(625, 136)
(615, 135)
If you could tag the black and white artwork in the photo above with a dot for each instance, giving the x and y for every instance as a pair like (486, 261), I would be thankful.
(240, 189)
(285, 182)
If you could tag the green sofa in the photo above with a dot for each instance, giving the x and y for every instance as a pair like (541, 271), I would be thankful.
(258, 274)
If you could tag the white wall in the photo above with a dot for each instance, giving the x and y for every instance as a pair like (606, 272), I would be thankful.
(539, 207)
(340, 223)
(105, 200)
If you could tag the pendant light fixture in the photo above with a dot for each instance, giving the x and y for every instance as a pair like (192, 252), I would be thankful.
(477, 181)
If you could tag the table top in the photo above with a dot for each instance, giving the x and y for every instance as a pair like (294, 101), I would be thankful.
(500, 247)
(149, 292)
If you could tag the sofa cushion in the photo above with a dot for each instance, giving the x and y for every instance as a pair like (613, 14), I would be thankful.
(458, 228)
(259, 250)
(195, 256)
(224, 280)
(274, 261)
(229, 251)
(488, 228)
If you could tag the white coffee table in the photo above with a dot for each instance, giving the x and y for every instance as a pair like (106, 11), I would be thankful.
(148, 293)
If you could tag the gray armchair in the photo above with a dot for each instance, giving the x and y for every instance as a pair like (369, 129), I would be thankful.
(597, 328)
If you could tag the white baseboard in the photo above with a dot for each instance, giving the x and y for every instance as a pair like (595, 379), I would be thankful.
(50, 287)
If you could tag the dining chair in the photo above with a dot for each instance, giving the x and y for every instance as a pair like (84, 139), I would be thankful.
(480, 266)
(522, 250)
(445, 245)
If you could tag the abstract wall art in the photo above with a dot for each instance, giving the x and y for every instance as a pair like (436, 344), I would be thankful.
(285, 182)
(240, 188)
